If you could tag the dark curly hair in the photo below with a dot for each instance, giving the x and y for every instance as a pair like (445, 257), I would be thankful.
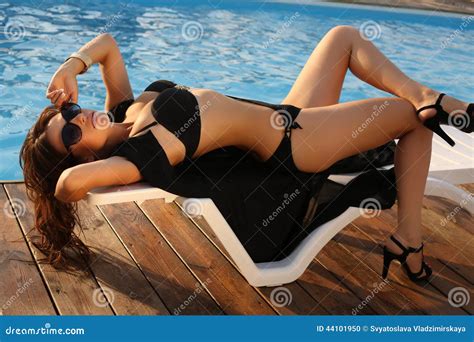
(53, 219)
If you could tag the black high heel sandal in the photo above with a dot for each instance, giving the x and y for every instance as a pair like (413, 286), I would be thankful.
(462, 121)
(389, 256)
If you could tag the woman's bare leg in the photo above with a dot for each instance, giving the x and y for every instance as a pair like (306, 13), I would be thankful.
(334, 132)
(320, 83)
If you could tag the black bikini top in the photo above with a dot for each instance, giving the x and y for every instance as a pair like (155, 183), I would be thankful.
(120, 109)
(178, 111)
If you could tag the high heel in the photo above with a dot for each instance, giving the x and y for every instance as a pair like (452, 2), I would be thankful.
(389, 256)
(462, 121)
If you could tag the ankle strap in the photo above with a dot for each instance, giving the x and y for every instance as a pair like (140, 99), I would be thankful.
(406, 249)
(398, 243)
(436, 105)
(415, 250)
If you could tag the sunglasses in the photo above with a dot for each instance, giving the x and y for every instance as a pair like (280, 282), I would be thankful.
(71, 133)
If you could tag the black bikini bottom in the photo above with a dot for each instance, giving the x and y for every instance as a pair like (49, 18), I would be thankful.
(283, 118)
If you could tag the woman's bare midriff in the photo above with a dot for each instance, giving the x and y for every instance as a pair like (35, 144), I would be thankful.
(224, 122)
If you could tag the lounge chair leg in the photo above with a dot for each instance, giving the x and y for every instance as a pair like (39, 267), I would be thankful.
(441, 188)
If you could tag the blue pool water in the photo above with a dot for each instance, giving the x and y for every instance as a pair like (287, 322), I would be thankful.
(241, 48)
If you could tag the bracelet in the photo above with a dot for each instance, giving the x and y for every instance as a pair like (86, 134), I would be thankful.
(83, 57)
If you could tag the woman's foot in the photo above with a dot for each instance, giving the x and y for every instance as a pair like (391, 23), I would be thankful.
(414, 260)
(450, 104)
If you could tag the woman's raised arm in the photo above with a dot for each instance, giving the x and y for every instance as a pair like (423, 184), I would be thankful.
(75, 182)
(104, 50)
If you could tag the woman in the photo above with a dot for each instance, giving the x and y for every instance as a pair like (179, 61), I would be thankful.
(68, 144)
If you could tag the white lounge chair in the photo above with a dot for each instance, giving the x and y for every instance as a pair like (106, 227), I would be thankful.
(449, 166)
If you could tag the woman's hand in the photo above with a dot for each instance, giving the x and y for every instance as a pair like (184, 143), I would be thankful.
(63, 85)
(103, 50)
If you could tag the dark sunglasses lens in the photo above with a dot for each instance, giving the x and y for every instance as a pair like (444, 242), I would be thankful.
(70, 110)
(71, 135)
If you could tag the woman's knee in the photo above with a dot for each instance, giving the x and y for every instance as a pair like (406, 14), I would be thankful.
(344, 30)
(423, 133)
(405, 110)
(344, 33)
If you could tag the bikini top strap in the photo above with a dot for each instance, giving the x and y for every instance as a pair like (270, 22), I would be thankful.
(147, 126)
(262, 103)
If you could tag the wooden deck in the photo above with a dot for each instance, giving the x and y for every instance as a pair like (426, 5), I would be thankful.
(153, 260)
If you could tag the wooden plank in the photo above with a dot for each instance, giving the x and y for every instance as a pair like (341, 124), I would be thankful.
(297, 300)
(128, 291)
(444, 279)
(322, 293)
(22, 290)
(446, 220)
(451, 244)
(366, 248)
(229, 288)
(444, 212)
(291, 299)
(72, 295)
(364, 281)
(177, 287)
(326, 294)
(453, 229)
(330, 293)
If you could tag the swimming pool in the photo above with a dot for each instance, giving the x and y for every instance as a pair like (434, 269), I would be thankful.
(248, 49)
